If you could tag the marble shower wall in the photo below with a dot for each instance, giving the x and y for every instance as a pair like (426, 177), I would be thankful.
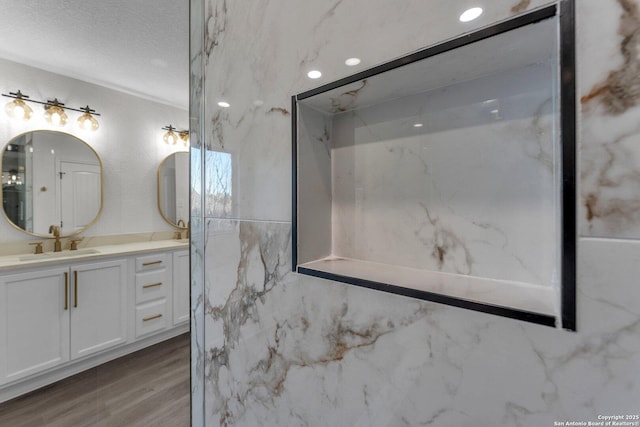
(287, 350)
(469, 192)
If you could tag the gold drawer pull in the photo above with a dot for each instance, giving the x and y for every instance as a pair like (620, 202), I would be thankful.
(75, 288)
(66, 290)
(155, 316)
(151, 285)
(145, 264)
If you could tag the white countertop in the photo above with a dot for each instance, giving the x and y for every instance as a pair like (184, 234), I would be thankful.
(18, 261)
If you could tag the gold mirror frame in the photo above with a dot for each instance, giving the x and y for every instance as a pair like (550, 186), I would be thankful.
(168, 220)
(49, 236)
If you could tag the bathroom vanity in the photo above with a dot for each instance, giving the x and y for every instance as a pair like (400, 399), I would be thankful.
(64, 312)
(68, 303)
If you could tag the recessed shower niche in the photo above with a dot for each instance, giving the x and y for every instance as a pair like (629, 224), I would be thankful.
(449, 174)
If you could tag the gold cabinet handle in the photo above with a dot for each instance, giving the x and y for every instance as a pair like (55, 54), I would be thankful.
(155, 316)
(145, 264)
(66, 290)
(151, 285)
(75, 288)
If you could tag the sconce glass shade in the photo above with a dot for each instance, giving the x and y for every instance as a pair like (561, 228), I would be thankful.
(17, 109)
(170, 137)
(88, 122)
(184, 136)
(55, 115)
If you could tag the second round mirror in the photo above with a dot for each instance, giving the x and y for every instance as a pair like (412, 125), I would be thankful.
(173, 189)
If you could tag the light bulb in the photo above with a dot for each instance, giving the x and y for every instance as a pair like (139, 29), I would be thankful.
(184, 136)
(170, 137)
(18, 110)
(55, 115)
(88, 122)
(314, 74)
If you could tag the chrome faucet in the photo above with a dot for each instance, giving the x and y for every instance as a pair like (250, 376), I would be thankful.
(55, 230)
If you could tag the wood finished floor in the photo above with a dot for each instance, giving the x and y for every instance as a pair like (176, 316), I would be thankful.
(146, 388)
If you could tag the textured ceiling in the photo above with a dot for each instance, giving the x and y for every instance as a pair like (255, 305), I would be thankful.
(137, 46)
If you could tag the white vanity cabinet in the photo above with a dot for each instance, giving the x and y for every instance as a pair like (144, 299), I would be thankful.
(152, 293)
(65, 313)
(51, 316)
(161, 291)
(98, 306)
(181, 285)
(34, 322)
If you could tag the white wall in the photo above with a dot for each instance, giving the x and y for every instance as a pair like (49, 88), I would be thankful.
(129, 141)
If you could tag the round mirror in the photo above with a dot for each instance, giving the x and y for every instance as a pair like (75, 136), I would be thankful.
(173, 189)
(50, 178)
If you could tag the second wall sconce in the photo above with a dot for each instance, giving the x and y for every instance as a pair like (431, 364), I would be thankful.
(54, 111)
(172, 135)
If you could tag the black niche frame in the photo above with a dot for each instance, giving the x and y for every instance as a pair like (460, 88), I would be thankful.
(565, 10)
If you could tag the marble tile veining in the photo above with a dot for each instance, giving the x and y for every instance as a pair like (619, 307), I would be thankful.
(280, 349)
(609, 99)
(290, 350)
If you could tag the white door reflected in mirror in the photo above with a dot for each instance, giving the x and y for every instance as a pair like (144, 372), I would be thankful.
(50, 178)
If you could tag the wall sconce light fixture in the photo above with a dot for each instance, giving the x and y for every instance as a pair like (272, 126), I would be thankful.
(184, 136)
(54, 111)
(87, 121)
(17, 109)
(170, 137)
(173, 134)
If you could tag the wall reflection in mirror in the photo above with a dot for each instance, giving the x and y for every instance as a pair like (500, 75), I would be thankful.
(50, 178)
(173, 189)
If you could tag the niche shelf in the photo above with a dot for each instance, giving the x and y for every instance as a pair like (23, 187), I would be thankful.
(448, 174)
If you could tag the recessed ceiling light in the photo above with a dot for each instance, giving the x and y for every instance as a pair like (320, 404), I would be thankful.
(417, 125)
(224, 104)
(470, 14)
(314, 74)
(352, 61)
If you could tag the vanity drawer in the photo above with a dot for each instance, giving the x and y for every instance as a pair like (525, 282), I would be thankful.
(151, 285)
(151, 262)
(151, 317)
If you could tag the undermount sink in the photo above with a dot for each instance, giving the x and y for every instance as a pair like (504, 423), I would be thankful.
(62, 254)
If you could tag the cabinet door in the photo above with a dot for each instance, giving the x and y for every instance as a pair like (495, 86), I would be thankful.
(181, 280)
(34, 322)
(98, 307)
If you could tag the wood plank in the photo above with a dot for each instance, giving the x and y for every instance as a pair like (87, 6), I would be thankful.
(148, 387)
